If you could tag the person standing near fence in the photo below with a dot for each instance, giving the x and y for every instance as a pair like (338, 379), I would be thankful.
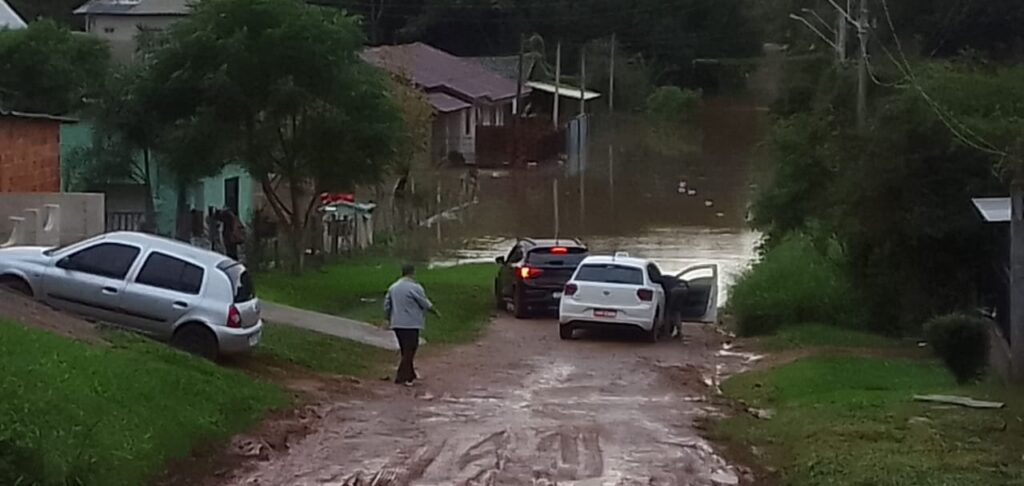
(406, 306)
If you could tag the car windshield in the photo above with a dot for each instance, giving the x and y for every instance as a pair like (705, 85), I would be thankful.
(610, 273)
(556, 257)
(242, 281)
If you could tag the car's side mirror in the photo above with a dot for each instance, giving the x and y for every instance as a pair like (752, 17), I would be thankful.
(500, 260)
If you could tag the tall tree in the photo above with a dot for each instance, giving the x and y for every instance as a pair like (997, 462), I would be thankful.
(280, 88)
(46, 68)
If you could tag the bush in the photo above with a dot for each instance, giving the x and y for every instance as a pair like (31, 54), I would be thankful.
(795, 283)
(673, 104)
(961, 341)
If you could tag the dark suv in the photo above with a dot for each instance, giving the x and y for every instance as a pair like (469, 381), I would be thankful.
(534, 273)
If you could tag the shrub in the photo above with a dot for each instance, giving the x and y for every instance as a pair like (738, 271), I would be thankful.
(673, 104)
(961, 341)
(795, 282)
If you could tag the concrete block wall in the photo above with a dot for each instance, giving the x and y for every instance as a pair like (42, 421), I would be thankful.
(49, 219)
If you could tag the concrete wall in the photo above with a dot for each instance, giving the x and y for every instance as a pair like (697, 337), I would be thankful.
(119, 31)
(81, 215)
(29, 155)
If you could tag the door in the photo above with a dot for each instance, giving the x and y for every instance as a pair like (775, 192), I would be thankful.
(165, 289)
(90, 281)
(508, 270)
(231, 197)
(701, 304)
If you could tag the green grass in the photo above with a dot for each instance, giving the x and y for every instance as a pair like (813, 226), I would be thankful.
(78, 414)
(817, 335)
(847, 421)
(355, 289)
(322, 353)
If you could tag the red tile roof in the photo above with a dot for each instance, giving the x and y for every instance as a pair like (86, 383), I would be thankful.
(434, 70)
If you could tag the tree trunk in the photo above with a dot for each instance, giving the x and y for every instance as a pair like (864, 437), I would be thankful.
(149, 224)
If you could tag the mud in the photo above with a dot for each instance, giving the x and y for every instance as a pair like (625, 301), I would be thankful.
(519, 407)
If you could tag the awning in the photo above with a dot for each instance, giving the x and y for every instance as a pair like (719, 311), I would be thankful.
(563, 90)
(445, 103)
(993, 209)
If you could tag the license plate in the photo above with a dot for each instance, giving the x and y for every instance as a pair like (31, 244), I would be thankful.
(556, 295)
(605, 313)
(254, 339)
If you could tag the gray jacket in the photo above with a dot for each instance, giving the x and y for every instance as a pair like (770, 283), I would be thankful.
(406, 305)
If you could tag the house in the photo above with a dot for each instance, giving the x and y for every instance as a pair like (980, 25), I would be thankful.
(9, 18)
(30, 152)
(120, 21)
(464, 94)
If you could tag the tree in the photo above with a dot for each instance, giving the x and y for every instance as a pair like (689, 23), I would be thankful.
(278, 86)
(46, 68)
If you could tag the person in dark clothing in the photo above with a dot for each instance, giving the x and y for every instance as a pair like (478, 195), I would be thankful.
(232, 232)
(406, 305)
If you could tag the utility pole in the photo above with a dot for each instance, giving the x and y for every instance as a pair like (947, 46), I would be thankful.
(519, 104)
(554, 195)
(583, 80)
(558, 82)
(842, 27)
(862, 70)
(1017, 279)
(611, 78)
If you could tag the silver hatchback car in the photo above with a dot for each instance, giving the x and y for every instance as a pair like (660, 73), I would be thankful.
(198, 300)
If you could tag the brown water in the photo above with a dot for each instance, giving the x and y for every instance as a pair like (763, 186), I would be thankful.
(678, 196)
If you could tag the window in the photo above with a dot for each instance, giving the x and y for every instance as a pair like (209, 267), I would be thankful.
(516, 255)
(610, 273)
(467, 116)
(244, 288)
(654, 273)
(571, 257)
(108, 30)
(166, 272)
(112, 260)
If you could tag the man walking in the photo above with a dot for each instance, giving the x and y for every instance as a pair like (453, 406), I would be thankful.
(406, 306)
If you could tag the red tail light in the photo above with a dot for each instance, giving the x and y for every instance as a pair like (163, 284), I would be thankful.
(559, 250)
(234, 318)
(527, 273)
(570, 289)
(645, 295)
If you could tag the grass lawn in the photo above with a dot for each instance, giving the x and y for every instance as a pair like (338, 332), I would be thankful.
(355, 289)
(851, 421)
(818, 335)
(79, 414)
(322, 353)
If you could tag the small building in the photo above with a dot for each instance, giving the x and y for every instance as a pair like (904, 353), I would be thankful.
(120, 21)
(464, 94)
(10, 19)
(30, 152)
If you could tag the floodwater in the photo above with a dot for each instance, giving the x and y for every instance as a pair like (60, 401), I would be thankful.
(678, 196)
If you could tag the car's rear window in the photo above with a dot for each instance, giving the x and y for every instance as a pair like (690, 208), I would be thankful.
(610, 273)
(245, 290)
(556, 256)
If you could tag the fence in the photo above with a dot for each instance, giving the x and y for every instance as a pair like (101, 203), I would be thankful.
(125, 220)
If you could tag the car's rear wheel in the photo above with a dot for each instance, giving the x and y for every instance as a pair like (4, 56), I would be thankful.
(196, 339)
(16, 285)
(519, 308)
(499, 299)
(566, 331)
(656, 328)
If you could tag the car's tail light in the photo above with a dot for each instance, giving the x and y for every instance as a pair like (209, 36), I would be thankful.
(570, 289)
(645, 295)
(527, 273)
(558, 250)
(234, 318)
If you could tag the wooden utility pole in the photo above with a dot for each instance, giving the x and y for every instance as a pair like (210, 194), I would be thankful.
(583, 80)
(611, 78)
(1017, 279)
(558, 82)
(842, 27)
(519, 104)
(862, 70)
(554, 195)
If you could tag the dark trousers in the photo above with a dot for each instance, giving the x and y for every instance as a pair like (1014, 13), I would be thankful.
(408, 342)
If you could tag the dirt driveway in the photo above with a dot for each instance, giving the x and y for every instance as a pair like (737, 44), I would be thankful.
(522, 407)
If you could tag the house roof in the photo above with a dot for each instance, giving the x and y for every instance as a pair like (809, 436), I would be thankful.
(136, 7)
(9, 18)
(993, 209)
(564, 90)
(434, 70)
(36, 116)
(445, 103)
(508, 66)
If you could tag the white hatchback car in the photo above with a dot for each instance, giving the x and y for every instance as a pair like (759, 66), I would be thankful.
(621, 291)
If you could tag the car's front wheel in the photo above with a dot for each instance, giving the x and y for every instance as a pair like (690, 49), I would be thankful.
(16, 285)
(196, 339)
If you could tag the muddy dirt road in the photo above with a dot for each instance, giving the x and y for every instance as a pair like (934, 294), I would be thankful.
(522, 407)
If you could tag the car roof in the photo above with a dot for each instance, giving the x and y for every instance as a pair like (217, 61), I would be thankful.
(618, 260)
(569, 243)
(173, 247)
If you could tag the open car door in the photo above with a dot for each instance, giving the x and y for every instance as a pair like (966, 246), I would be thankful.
(701, 303)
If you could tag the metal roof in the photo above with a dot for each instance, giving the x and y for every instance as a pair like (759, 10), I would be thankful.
(136, 7)
(993, 209)
(37, 116)
(434, 70)
(563, 90)
(508, 66)
(446, 104)
(9, 18)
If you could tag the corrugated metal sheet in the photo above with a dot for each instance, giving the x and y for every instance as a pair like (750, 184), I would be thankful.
(435, 70)
(136, 7)
(445, 103)
(9, 18)
(563, 90)
(993, 209)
